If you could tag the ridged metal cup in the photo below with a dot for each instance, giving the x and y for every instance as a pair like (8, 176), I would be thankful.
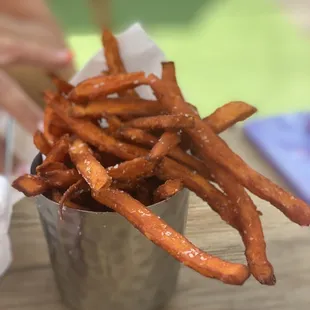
(102, 262)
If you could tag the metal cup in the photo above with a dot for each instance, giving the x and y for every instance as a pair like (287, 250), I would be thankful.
(102, 262)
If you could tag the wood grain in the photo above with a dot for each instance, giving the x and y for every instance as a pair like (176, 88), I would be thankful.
(29, 283)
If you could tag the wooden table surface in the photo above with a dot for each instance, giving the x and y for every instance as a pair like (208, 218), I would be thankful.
(29, 284)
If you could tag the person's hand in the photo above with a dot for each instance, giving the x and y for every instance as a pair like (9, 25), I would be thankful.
(28, 35)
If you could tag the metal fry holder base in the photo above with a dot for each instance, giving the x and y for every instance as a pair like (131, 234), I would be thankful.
(101, 261)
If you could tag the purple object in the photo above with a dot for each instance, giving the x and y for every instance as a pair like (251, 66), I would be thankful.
(284, 140)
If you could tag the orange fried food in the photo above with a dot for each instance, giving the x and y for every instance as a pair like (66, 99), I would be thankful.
(165, 144)
(62, 86)
(137, 135)
(92, 134)
(56, 196)
(30, 185)
(41, 143)
(57, 153)
(73, 191)
(142, 137)
(167, 190)
(62, 178)
(132, 170)
(168, 169)
(88, 166)
(51, 166)
(213, 147)
(250, 227)
(118, 107)
(228, 115)
(113, 58)
(171, 241)
(162, 122)
(111, 53)
(105, 85)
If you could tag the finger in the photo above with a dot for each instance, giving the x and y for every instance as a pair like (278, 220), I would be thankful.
(16, 51)
(18, 104)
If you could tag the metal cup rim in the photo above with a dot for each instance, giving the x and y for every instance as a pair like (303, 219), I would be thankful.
(38, 160)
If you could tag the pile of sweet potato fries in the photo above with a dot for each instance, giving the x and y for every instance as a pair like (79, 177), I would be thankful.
(142, 157)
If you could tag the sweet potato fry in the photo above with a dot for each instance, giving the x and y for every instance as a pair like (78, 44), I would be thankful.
(41, 143)
(213, 147)
(169, 76)
(94, 135)
(132, 170)
(113, 58)
(49, 118)
(171, 241)
(57, 153)
(162, 122)
(56, 196)
(87, 165)
(168, 169)
(30, 185)
(62, 178)
(62, 86)
(114, 123)
(51, 166)
(165, 144)
(137, 135)
(142, 137)
(167, 190)
(105, 85)
(228, 115)
(73, 191)
(128, 186)
(250, 227)
(111, 52)
(117, 106)
(223, 118)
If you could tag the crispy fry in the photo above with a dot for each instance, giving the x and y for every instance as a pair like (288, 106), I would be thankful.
(167, 190)
(73, 191)
(51, 166)
(62, 178)
(113, 58)
(171, 241)
(250, 227)
(87, 165)
(132, 170)
(30, 185)
(105, 85)
(57, 153)
(162, 122)
(56, 196)
(228, 115)
(128, 185)
(137, 135)
(244, 218)
(49, 117)
(114, 123)
(165, 144)
(142, 137)
(94, 135)
(213, 147)
(168, 169)
(111, 52)
(118, 107)
(62, 86)
(41, 143)
(169, 75)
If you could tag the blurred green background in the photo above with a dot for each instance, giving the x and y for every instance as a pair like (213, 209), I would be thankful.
(224, 49)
